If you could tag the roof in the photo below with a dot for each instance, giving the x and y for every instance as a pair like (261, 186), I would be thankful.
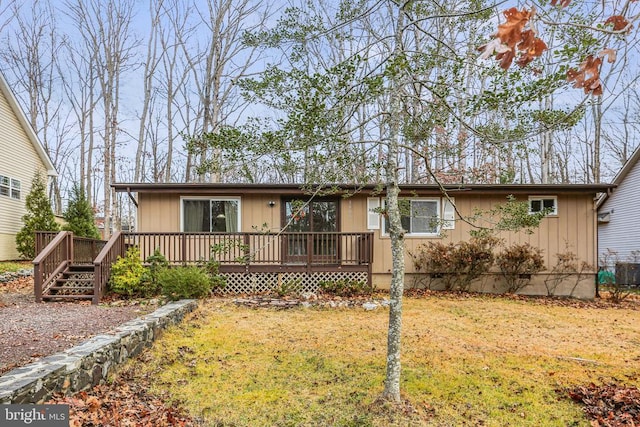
(621, 175)
(293, 189)
(24, 122)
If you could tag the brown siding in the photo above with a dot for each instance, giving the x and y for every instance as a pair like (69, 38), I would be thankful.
(161, 212)
(572, 229)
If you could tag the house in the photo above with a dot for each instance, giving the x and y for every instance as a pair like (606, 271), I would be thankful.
(618, 217)
(273, 234)
(21, 155)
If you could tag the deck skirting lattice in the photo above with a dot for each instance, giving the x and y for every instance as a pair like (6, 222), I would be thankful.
(300, 282)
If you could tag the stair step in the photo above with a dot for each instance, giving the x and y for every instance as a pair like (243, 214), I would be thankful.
(74, 279)
(62, 296)
(70, 288)
(80, 268)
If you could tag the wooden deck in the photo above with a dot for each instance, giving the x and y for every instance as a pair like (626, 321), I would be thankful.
(264, 259)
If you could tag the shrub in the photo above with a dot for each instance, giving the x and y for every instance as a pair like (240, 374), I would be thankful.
(212, 269)
(517, 263)
(156, 263)
(458, 264)
(567, 266)
(126, 274)
(39, 217)
(184, 282)
(345, 288)
(79, 215)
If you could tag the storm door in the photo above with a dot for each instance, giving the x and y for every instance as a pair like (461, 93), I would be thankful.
(313, 226)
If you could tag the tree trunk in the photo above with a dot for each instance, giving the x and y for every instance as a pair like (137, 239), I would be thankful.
(392, 380)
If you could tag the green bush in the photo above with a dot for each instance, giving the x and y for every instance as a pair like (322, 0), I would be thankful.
(184, 282)
(517, 263)
(126, 274)
(212, 269)
(345, 288)
(79, 215)
(156, 263)
(39, 217)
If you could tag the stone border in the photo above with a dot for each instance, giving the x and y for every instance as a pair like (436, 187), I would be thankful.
(89, 363)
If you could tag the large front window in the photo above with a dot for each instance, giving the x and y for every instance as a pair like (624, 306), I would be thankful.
(419, 216)
(211, 215)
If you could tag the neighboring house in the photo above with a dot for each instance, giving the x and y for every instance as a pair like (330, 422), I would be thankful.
(619, 217)
(337, 237)
(21, 155)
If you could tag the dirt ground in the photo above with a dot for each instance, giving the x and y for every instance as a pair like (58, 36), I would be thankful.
(29, 331)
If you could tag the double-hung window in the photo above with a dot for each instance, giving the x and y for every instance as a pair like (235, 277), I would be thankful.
(419, 216)
(9, 187)
(211, 215)
(543, 203)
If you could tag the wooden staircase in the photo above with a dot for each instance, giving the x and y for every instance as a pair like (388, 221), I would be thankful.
(76, 282)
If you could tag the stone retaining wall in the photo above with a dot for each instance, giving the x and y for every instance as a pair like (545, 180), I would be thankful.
(89, 363)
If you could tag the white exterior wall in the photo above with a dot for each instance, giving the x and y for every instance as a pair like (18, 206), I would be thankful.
(18, 160)
(622, 232)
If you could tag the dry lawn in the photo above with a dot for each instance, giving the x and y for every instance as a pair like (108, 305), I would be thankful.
(466, 361)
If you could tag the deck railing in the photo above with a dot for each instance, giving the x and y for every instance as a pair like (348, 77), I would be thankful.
(51, 261)
(114, 248)
(258, 249)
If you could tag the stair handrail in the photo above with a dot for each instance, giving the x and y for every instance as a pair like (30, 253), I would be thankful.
(51, 262)
(102, 264)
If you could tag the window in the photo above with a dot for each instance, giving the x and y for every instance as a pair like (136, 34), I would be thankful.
(546, 203)
(9, 187)
(211, 215)
(419, 216)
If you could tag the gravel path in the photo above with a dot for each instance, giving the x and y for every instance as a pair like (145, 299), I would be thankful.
(29, 331)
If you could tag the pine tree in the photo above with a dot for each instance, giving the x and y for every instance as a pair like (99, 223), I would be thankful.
(79, 215)
(39, 217)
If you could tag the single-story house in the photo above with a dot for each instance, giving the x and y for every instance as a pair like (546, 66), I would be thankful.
(281, 233)
(21, 155)
(618, 218)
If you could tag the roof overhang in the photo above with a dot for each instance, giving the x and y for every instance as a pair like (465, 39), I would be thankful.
(419, 189)
(24, 122)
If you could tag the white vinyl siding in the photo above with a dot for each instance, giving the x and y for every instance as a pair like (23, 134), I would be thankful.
(19, 162)
(622, 233)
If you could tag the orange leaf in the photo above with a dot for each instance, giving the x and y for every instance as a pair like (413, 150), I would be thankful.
(619, 22)
(563, 3)
(609, 53)
(510, 32)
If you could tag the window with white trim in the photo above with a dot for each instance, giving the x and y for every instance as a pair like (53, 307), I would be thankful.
(211, 215)
(543, 203)
(9, 187)
(419, 216)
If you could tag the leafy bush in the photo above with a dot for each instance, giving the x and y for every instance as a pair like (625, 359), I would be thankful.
(156, 263)
(345, 288)
(458, 264)
(184, 282)
(79, 215)
(39, 217)
(212, 269)
(126, 274)
(517, 263)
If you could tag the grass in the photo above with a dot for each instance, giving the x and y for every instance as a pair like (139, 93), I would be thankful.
(7, 266)
(466, 361)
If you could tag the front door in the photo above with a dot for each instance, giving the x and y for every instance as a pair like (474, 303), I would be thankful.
(315, 224)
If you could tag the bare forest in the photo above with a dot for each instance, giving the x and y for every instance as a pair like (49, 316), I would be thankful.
(191, 91)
